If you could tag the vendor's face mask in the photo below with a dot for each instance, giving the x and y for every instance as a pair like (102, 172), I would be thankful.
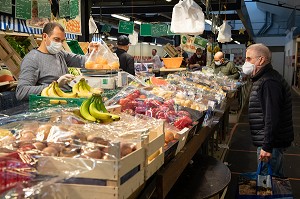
(54, 47)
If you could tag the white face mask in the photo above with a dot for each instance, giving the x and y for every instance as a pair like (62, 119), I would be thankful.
(248, 68)
(199, 56)
(54, 47)
(218, 63)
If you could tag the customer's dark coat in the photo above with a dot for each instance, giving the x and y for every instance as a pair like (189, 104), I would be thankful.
(270, 110)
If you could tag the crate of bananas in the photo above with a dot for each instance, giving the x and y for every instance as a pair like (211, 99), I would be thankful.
(52, 96)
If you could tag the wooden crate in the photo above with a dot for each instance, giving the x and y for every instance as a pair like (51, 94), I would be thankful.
(120, 177)
(9, 56)
(181, 136)
(154, 147)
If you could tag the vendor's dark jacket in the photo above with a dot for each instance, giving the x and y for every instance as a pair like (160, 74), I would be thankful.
(270, 110)
(227, 68)
(126, 61)
(195, 60)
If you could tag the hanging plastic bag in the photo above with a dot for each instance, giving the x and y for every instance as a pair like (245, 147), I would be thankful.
(102, 58)
(187, 18)
(224, 33)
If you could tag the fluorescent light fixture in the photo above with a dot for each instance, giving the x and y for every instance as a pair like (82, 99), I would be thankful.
(120, 17)
(158, 44)
(125, 18)
(102, 36)
(112, 38)
(168, 0)
(208, 21)
(152, 44)
(237, 42)
(145, 43)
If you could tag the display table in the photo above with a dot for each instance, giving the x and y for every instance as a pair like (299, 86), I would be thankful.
(163, 69)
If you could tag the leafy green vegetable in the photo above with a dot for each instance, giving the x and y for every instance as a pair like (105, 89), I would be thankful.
(19, 43)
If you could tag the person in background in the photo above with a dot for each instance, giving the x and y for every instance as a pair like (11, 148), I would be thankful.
(185, 56)
(270, 108)
(126, 60)
(48, 63)
(197, 60)
(221, 64)
(157, 63)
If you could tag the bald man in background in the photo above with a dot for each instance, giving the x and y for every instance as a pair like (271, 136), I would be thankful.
(223, 65)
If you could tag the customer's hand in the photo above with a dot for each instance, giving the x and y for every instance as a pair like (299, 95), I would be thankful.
(63, 80)
(265, 156)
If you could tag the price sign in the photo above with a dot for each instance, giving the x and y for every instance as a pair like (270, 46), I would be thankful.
(44, 9)
(23, 9)
(126, 27)
(6, 6)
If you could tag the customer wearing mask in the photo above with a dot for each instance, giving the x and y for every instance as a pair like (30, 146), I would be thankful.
(221, 64)
(48, 63)
(126, 60)
(197, 60)
(270, 109)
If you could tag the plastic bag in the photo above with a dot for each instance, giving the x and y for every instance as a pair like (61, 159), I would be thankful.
(224, 33)
(256, 186)
(102, 58)
(187, 18)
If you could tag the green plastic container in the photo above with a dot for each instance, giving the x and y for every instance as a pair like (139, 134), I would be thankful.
(75, 47)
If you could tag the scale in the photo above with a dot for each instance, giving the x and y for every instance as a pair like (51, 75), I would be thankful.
(104, 79)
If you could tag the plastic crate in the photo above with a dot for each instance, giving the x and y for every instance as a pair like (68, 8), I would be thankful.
(75, 47)
(38, 102)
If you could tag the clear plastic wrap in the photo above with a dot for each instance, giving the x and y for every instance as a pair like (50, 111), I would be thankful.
(60, 147)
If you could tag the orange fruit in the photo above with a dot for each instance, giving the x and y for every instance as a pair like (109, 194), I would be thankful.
(89, 65)
(101, 60)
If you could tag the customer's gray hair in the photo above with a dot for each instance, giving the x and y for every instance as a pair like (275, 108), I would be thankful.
(261, 50)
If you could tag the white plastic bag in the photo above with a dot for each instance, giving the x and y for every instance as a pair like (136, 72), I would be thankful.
(187, 18)
(224, 33)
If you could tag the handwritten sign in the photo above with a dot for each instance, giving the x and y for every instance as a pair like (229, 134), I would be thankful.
(159, 30)
(64, 8)
(126, 27)
(74, 8)
(6, 6)
(23, 9)
(145, 29)
(44, 9)
(199, 41)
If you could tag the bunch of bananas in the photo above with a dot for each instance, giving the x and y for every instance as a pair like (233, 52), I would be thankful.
(83, 89)
(53, 90)
(80, 89)
(94, 110)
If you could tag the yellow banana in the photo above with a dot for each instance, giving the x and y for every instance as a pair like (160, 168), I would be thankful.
(75, 88)
(83, 92)
(97, 114)
(63, 94)
(84, 110)
(51, 91)
(44, 92)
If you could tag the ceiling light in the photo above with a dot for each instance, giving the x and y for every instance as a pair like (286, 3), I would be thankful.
(168, 0)
(208, 21)
(237, 42)
(112, 38)
(125, 18)
(152, 44)
(158, 44)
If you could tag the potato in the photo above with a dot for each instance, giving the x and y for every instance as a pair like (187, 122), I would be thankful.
(68, 152)
(127, 148)
(94, 153)
(49, 151)
(27, 136)
(43, 131)
(39, 146)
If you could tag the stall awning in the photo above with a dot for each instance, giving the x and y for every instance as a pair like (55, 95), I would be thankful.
(18, 25)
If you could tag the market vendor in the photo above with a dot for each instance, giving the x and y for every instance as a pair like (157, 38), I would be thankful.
(223, 65)
(48, 63)
(197, 60)
(125, 59)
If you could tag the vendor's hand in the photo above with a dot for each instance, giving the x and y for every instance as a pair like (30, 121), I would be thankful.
(265, 156)
(63, 80)
(93, 46)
